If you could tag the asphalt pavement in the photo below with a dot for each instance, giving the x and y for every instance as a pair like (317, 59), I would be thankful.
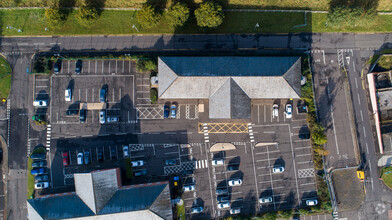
(20, 49)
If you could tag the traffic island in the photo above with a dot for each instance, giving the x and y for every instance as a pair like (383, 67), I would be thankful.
(348, 188)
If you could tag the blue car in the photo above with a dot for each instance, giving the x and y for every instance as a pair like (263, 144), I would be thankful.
(173, 109)
(166, 110)
(37, 171)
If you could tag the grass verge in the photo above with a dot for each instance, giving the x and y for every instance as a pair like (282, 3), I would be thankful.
(32, 22)
(30, 178)
(385, 62)
(180, 211)
(386, 175)
(5, 77)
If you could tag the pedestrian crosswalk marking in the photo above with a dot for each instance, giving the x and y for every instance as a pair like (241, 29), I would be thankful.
(200, 164)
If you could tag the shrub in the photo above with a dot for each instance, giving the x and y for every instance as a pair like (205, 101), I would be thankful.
(153, 95)
(87, 15)
(269, 215)
(209, 14)
(145, 65)
(128, 168)
(285, 213)
(177, 15)
(147, 17)
(345, 15)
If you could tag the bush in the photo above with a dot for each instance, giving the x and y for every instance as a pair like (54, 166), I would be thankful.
(209, 14)
(344, 15)
(285, 213)
(145, 65)
(128, 168)
(177, 15)
(54, 17)
(153, 95)
(269, 215)
(147, 17)
(87, 15)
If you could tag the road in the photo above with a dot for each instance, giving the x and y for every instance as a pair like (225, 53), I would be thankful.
(20, 49)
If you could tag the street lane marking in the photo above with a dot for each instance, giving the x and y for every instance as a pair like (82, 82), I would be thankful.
(359, 101)
(356, 83)
(364, 131)
(367, 148)
(304, 184)
(334, 131)
(303, 155)
(361, 115)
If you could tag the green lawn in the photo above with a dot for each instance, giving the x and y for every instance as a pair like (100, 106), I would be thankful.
(181, 212)
(30, 178)
(385, 62)
(5, 78)
(386, 175)
(32, 22)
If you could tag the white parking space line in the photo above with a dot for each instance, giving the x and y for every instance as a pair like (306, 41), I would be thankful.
(109, 67)
(263, 174)
(269, 159)
(123, 66)
(270, 181)
(303, 155)
(258, 153)
(305, 184)
(68, 65)
(96, 64)
(300, 148)
(89, 66)
(304, 162)
(301, 140)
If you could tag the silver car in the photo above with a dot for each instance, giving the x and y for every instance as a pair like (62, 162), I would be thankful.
(102, 117)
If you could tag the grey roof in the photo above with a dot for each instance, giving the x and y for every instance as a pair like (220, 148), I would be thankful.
(212, 78)
(58, 207)
(155, 197)
(96, 188)
(230, 101)
(106, 198)
(229, 66)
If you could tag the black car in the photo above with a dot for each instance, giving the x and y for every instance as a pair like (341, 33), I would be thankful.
(100, 154)
(113, 153)
(38, 156)
(41, 178)
(166, 110)
(82, 115)
(186, 172)
(40, 163)
(304, 136)
(78, 67)
(57, 67)
(232, 167)
(102, 95)
(222, 191)
(140, 173)
(171, 162)
(223, 198)
(72, 112)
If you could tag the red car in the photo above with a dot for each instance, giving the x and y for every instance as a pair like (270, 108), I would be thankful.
(65, 158)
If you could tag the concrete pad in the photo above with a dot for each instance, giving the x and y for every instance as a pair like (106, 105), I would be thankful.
(222, 147)
(385, 161)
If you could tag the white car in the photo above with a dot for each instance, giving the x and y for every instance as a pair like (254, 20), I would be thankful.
(68, 95)
(102, 117)
(234, 182)
(80, 158)
(196, 209)
(112, 119)
(40, 103)
(265, 200)
(189, 188)
(311, 202)
(223, 205)
(217, 162)
(235, 210)
(41, 185)
(137, 163)
(289, 111)
(126, 151)
(278, 169)
(275, 110)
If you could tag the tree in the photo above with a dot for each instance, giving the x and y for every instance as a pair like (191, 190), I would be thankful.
(87, 15)
(318, 136)
(145, 65)
(321, 151)
(269, 215)
(209, 14)
(54, 17)
(177, 15)
(147, 17)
